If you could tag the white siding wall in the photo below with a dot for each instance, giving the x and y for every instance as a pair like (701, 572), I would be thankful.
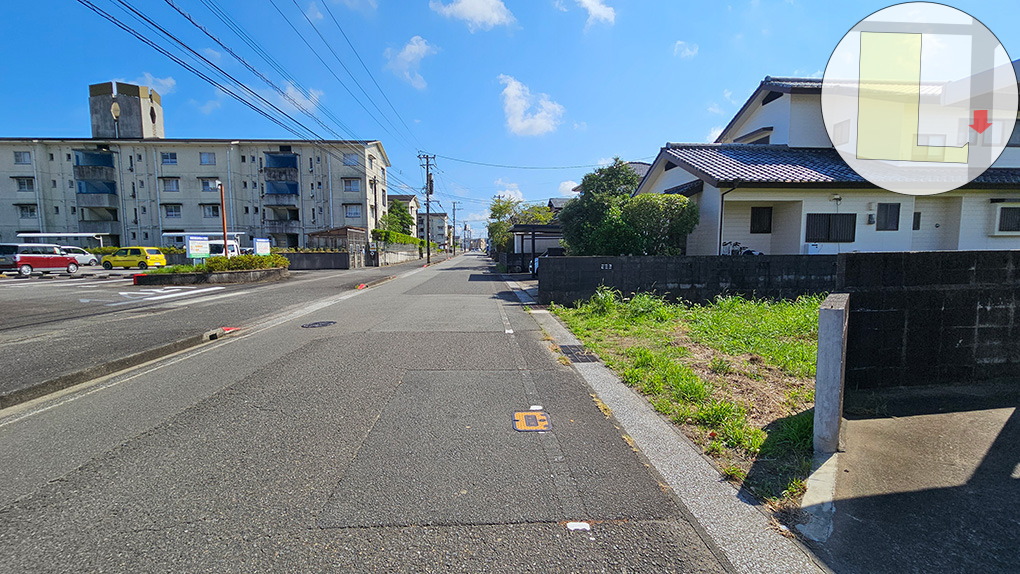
(807, 129)
(977, 222)
(704, 240)
(737, 226)
(939, 230)
(775, 114)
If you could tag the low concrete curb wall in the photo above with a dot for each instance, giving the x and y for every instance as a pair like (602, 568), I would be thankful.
(252, 276)
(309, 261)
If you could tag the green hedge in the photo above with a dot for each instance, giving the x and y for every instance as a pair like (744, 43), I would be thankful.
(235, 263)
(387, 236)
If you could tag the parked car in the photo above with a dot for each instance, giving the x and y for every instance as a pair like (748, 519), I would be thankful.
(28, 257)
(140, 257)
(80, 255)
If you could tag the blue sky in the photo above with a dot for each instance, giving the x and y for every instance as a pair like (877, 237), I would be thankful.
(529, 83)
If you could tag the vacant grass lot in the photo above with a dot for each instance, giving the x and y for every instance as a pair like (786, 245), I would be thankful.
(736, 375)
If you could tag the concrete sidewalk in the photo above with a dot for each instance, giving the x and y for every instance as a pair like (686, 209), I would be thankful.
(930, 485)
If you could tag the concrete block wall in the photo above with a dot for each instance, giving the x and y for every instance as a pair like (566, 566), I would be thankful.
(931, 317)
(692, 278)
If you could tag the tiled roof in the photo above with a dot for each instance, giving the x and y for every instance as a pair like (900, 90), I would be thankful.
(778, 83)
(690, 188)
(729, 164)
(558, 202)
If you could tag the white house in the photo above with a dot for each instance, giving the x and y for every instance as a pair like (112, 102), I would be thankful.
(773, 183)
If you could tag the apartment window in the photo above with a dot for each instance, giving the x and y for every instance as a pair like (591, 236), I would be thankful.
(53, 183)
(210, 211)
(371, 162)
(255, 209)
(352, 211)
(1009, 219)
(172, 211)
(74, 209)
(143, 209)
(23, 157)
(831, 228)
(244, 185)
(25, 183)
(888, 218)
(917, 221)
(246, 209)
(352, 185)
(51, 157)
(27, 212)
(139, 157)
(141, 183)
(134, 235)
(320, 185)
(244, 158)
(145, 235)
(172, 184)
(70, 184)
(207, 158)
(252, 159)
(350, 159)
(56, 210)
(761, 220)
(208, 184)
(68, 157)
(168, 157)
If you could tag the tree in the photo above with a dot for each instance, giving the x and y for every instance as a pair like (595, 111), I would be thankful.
(593, 222)
(534, 214)
(659, 223)
(397, 218)
(500, 212)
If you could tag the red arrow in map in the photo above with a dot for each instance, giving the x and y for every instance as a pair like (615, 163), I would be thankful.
(980, 121)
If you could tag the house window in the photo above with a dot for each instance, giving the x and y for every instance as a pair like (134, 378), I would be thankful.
(761, 220)
(371, 162)
(207, 158)
(208, 184)
(350, 159)
(27, 212)
(23, 157)
(25, 183)
(917, 221)
(1009, 219)
(888, 217)
(352, 185)
(171, 185)
(831, 228)
(352, 211)
(168, 157)
(210, 211)
(171, 211)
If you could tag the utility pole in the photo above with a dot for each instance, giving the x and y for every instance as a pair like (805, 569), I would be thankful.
(223, 219)
(455, 227)
(428, 205)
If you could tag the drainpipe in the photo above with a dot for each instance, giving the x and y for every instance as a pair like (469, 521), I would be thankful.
(40, 210)
(329, 183)
(159, 203)
(722, 207)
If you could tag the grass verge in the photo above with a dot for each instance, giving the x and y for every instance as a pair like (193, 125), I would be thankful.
(736, 376)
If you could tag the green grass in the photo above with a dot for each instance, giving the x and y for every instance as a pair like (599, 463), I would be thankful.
(640, 338)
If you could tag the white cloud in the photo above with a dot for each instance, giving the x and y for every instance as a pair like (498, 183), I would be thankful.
(714, 108)
(306, 102)
(509, 190)
(559, 5)
(521, 116)
(604, 161)
(209, 106)
(406, 62)
(479, 14)
(597, 11)
(313, 12)
(163, 86)
(212, 55)
(685, 50)
(713, 134)
(567, 188)
(580, 126)
(728, 96)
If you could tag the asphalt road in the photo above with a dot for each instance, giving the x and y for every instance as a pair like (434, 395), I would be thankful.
(54, 326)
(382, 442)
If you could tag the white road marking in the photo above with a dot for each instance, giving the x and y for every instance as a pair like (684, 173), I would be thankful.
(206, 290)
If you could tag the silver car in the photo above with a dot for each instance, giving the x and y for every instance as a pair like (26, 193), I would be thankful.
(80, 255)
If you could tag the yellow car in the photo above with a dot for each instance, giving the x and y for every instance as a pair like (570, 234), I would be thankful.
(140, 257)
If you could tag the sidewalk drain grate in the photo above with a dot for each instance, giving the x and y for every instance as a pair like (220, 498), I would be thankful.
(578, 354)
(318, 324)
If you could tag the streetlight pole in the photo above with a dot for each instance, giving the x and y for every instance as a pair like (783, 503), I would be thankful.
(223, 218)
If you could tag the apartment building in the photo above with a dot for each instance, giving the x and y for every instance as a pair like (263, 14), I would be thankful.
(129, 182)
(439, 229)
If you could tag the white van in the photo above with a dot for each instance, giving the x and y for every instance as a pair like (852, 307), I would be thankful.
(216, 248)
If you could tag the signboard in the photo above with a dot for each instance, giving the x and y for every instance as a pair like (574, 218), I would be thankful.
(261, 246)
(198, 246)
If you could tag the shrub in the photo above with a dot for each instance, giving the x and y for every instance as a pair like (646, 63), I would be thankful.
(603, 302)
(246, 262)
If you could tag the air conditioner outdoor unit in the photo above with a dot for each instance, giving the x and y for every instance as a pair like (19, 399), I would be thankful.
(812, 248)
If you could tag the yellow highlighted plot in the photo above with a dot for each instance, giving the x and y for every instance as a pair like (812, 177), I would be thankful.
(889, 101)
(530, 421)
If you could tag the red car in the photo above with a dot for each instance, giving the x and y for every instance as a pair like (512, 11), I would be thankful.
(28, 257)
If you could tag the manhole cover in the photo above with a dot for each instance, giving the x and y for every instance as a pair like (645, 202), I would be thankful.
(318, 324)
(531, 421)
(578, 354)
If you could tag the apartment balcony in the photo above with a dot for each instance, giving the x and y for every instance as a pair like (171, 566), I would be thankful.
(95, 173)
(281, 226)
(281, 174)
(107, 200)
(271, 199)
(99, 226)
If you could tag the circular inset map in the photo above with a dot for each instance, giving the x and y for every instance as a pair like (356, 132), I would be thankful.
(919, 98)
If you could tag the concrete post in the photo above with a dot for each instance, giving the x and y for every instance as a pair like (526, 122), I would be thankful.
(830, 372)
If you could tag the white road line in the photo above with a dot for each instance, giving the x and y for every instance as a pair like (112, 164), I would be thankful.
(187, 302)
(206, 290)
